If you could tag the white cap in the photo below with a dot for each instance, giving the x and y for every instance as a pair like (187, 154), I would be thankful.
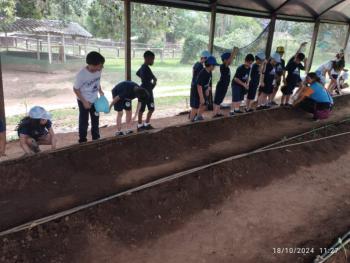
(38, 112)
(276, 57)
(261, 55)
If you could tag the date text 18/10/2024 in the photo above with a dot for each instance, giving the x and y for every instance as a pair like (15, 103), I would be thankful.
(302, 250)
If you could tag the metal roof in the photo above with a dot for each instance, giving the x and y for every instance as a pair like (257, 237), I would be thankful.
(300, 10)
(54, 27)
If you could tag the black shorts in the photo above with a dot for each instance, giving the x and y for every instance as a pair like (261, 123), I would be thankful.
(288, 89)
(2, 127)
(124, 104)
(267, 89)
(252, 92)
(194, 98)
(238, 93)
(220, 94)
(149, 103)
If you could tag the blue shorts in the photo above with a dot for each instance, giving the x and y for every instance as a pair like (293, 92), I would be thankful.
(149, 103)
(267, 89)
(238, 93)
(194, 98)
(123, 104)
(288, 89)
(2, 127)
(252, 92)
(220, 94)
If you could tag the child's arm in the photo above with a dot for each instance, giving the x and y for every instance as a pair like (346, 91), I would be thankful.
(87, 105)
(114, 101)
(301, 47)
(23, 142)
(101, 91)
(53, 139)
(137, 110)
(234, 53)
(262, 74)
(240, 82)
(200, 93)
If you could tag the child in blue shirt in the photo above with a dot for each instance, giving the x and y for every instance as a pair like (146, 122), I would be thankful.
(2, 139)
(267, 84)
(36, 129)
(148, 82)
(123, 94)
(200, 91)
(240, 84)
(254, 81)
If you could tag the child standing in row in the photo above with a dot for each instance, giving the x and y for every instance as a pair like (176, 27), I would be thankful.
(87, 86)
(296, 63)
(255, 79)
(267, 84)
(240, 84)
(148, 82)
(200, 91)
(123, 94)
(280, 75)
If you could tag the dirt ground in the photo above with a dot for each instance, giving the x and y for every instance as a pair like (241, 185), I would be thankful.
(247, 210)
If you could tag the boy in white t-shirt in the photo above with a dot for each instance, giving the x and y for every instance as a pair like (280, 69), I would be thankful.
(86, 87)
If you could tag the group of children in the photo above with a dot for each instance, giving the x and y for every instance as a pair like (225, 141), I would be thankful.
(256, 81)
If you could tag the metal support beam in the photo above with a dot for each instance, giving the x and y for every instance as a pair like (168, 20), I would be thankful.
(212, 28)
(313, 45)
(38, 48)
(127, 38)
(347, 38)
(2, 98)
(64, 58)
(270, 36)
(49, 51)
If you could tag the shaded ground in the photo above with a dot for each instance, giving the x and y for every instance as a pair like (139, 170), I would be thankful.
(239, 211)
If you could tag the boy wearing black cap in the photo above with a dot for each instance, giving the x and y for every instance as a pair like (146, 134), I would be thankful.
(2, 139)
(123, 94)
(224, 82)
(86, 87)
(293, 78)
(255, 79)
(200, 92)
(280, 75)
(148, 82)
(240, 84)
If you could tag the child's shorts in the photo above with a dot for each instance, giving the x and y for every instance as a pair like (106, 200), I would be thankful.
(149, 103)
(267, 89)
(220, 94)
(123, 105)
(252, 92)
(2, 127)
(288, 89)
(194, 98)
(238, 93)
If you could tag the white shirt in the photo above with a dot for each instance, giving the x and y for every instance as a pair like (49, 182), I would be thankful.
(325, 67)
(88, 84)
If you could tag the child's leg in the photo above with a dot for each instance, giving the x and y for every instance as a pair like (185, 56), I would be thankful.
(236, 105)
(140, 115)
(128, 119)
(149, 116)
(193, 113)
(2, 143)
(151, 108)
(287, 99)
(137, 111)
(216, 109)
(201, 110)
(95, 124)
(83, 122)
(119, 120)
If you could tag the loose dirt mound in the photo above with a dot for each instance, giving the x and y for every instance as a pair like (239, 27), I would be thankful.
(239, 211)
(49, 182)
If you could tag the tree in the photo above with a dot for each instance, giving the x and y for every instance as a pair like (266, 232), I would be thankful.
(29, 8)
(7, 11)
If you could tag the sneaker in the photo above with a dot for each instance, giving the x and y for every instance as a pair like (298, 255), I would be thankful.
(249, 110)
(238, 111)
(232, 113)
(119, 133)
(141, 128)
(129, 132)
(273, 103)
(149, 127)
(199, 118)
(219, 115)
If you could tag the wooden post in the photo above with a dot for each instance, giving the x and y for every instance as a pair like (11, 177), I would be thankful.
(2, 99)
(270, 36)
(212, 28)
(86, 43)
(49, 51)
(347, 38)
(6, 42)
(38, 49)
(64, 58)
(313, 45)
(127, 37)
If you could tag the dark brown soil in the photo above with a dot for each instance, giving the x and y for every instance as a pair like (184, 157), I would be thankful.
(239, 211)
(49, 182)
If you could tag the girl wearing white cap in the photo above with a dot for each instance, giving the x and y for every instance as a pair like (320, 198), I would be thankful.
(36, 129)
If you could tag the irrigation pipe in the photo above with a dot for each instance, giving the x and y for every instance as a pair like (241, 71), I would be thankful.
(333, 250)
(169, 178)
